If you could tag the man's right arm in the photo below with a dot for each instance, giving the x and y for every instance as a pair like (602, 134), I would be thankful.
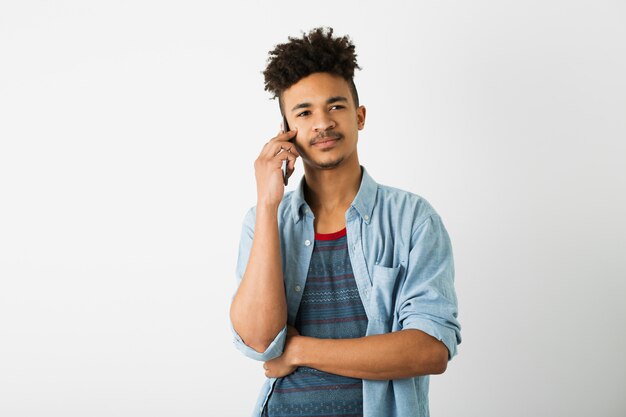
(258, 311)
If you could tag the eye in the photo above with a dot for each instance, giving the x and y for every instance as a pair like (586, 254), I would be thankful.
(337, 107)
(304, 113)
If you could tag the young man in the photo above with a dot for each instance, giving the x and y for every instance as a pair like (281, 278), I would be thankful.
(345, 286)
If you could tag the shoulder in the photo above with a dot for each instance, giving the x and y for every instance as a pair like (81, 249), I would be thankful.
(415, 221)
(406, 204)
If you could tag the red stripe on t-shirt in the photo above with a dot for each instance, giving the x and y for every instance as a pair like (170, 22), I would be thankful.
(330, 236)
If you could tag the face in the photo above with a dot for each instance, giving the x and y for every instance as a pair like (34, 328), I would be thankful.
(321, 107)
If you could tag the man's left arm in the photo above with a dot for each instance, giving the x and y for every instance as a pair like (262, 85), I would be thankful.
(396, 355)
(427, 314)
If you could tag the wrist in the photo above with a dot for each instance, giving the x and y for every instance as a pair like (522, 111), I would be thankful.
(267, 207)
(298, 350)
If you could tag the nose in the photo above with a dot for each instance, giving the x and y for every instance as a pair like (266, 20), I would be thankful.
(323, 122)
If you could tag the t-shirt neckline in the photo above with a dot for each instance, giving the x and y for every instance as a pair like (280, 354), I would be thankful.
(330, 236)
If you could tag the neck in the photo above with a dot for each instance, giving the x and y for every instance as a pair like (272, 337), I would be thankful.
(332, 190)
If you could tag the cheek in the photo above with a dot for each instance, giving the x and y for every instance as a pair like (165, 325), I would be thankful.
(302, 136)
(300, 125)
(299, 140)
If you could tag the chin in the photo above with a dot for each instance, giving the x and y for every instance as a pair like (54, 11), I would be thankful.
(329, 164)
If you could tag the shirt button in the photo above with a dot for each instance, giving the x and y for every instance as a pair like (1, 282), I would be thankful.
(366, 217)
(297, 288)
(307, 242)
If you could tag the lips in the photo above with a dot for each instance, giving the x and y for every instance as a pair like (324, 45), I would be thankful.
(327, 141)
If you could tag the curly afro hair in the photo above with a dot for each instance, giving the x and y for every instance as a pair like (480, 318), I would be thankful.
(316, 51)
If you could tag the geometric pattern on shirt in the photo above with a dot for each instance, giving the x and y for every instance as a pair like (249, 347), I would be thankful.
(330, 308)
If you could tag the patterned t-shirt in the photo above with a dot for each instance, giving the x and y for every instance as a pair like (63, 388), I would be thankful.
(330, 309)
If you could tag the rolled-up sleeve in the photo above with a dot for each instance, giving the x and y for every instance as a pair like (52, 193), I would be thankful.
(427, 298)
(275, 349)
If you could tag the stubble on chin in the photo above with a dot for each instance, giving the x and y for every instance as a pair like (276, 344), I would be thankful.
(330, 164)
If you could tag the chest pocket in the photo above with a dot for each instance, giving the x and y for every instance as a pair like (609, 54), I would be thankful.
(383, 297)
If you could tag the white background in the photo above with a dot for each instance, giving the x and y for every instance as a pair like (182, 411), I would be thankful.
(128, 131)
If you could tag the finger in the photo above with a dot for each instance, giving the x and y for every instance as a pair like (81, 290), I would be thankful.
(285, 156)
(276, 161)
(274, 148)
(281, 137)
(285, 136)
(287, 147)
(291, 167)
(294, 150)
(289, 174)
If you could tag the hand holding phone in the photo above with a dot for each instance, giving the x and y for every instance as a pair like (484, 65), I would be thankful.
(269, 170)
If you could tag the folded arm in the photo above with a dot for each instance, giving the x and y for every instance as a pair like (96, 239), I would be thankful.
(402, 354)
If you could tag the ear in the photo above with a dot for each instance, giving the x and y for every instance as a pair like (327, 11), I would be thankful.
(360, 117)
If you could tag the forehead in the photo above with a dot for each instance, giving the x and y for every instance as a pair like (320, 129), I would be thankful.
(316, 87)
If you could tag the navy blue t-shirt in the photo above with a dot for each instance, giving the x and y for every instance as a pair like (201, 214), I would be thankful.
(331, 308)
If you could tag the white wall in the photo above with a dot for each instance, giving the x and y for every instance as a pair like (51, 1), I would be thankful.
(128, 131)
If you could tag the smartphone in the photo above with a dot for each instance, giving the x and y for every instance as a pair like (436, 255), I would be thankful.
(286, 162)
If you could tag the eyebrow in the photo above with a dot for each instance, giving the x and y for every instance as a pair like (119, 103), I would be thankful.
(331, 100)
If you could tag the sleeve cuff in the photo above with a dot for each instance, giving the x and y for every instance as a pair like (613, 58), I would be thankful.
(274, 350)
(446, 335)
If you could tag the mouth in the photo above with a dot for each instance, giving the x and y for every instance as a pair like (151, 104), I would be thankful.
(325, 144)
(327, 141)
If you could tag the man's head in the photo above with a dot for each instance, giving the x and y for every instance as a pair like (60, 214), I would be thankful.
(317, 51)
(312, 77)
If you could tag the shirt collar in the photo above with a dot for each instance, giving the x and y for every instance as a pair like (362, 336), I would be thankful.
(363, 202)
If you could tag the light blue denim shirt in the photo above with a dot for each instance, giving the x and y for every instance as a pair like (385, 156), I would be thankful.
(402, 262)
